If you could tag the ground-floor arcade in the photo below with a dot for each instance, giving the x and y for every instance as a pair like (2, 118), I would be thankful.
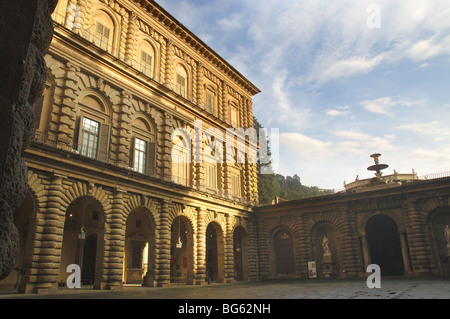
(121, 237)
(125, 238)
(404, 230)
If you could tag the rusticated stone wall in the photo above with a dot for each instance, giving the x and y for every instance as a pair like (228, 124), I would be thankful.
(419, 210)
(25, 34)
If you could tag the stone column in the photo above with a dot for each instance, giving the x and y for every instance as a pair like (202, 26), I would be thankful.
(162, 255)
(169, 66)
(49, 237)
(351, 264)
(228, 247)
(304, 246)
(405, 253)
(366, 252)
(114, 243)
(244, 102)
(199, 164)
(124, 130)
(263, 246)
(165, 147)
(420, 247)
(67, 111)
(250, 113)
(200, 275)
(85, 7)
(199, 83)
(130, 41)
(252, 239)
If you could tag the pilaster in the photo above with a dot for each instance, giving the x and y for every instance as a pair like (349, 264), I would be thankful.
(169, 65)
(228, 247)
(419, 245)
(200, 275)
(114, 243)
(162, 255)
(130, 41)
(351, 261)
(48, 241)
(165, 147)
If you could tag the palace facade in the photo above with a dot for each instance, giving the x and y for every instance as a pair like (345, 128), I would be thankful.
(111, 189)
(398, 221)
(133, 100)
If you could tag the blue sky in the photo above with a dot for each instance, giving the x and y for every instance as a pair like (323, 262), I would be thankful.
(337, 89)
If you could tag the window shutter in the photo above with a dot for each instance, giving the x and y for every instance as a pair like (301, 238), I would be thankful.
(151, 158)
(132, 152)
(37, 108)
(181, 80)
(103, 142)
(77, 141)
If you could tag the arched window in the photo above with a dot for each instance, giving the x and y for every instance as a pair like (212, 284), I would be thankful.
(235, 168)
(181, 80)
(236, 182)
(146, 59)
(42, 109)
(103, 33)
(181, 159)
(143, 150)
(94, 128)
(211, 100)
(283, 249)
(233, 115)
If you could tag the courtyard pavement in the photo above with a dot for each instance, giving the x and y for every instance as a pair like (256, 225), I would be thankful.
(391, 288)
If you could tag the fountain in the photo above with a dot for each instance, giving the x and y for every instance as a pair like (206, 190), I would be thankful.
(377, 167)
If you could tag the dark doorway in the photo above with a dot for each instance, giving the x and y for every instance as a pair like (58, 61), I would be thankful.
(211, 253)
(89, 258)
(240, 254)
(384, 245)
(284, 253)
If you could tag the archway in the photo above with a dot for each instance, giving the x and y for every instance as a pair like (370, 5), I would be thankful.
(24, 220)
(240, 248)
(283, 252)
(139, 248)
(384, 244)
(181, 251)
(83, 240)
(439, 229)
(214, 253)
(326, 232)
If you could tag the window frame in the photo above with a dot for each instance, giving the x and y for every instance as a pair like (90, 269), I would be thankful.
(143, 66)
(99, 39)
(86, 149)
(183, 165)
(146, 135)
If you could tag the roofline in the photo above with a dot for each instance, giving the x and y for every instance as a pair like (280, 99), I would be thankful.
(188, 39)
(346, 196)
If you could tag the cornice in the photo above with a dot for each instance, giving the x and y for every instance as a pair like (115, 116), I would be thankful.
(177, 29)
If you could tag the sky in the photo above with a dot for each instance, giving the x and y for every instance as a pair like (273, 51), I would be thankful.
(339, 79)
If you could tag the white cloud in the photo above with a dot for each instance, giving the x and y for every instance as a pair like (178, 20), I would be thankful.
(384, 105)
(433, 129)
(294, 49)
(339, 111)
(345, 68)
(304, 146)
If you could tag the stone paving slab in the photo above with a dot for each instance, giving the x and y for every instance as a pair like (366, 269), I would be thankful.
(391, 288)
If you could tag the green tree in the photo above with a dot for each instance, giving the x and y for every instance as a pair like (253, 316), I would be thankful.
(275, 185)
(268, 187)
